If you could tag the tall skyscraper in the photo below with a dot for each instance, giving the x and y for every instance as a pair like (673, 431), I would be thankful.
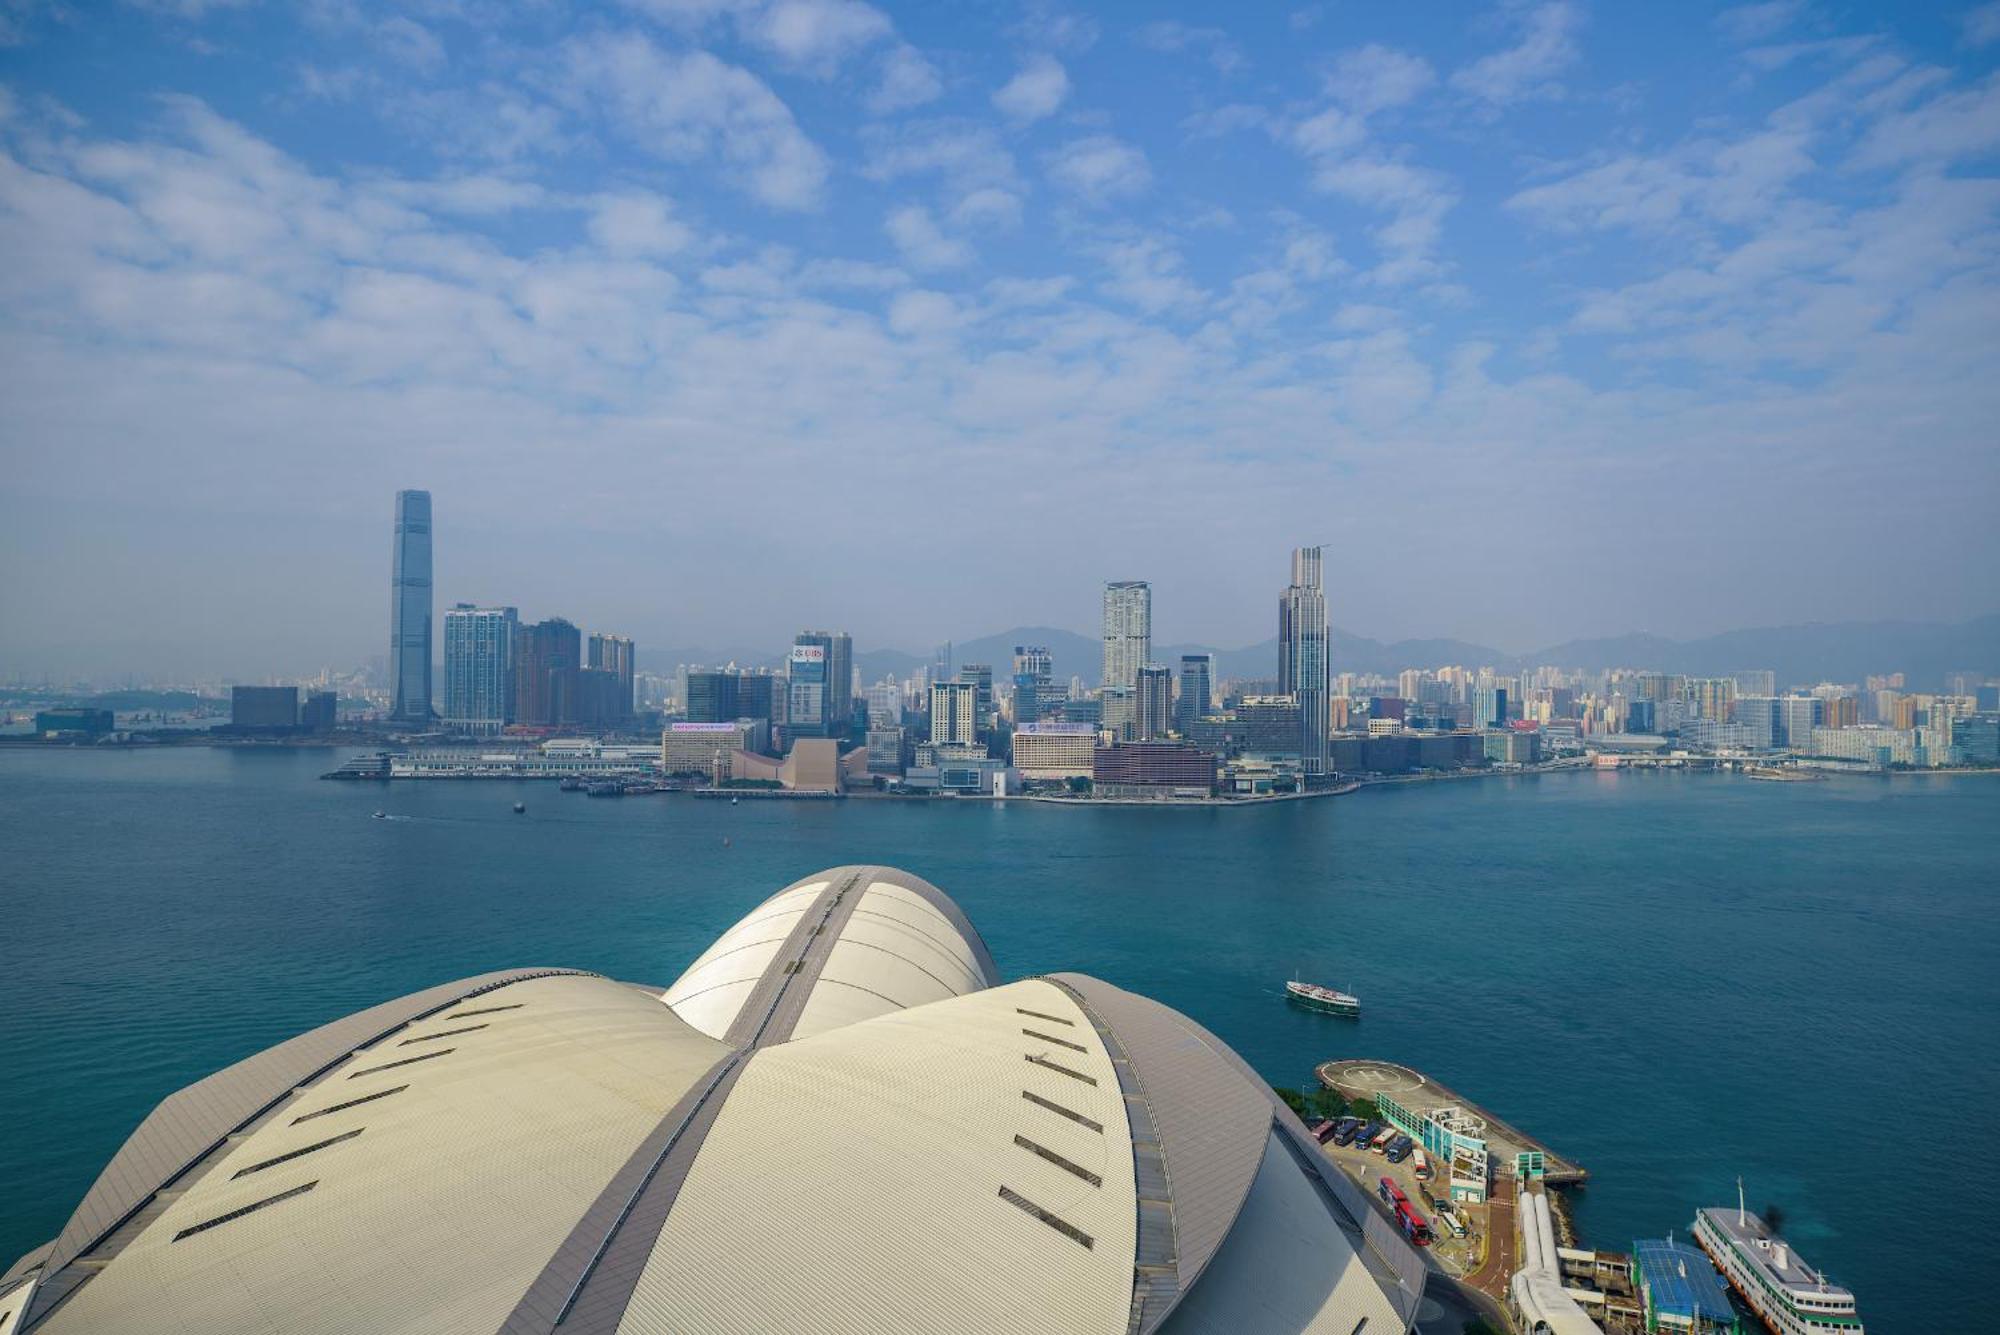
(981, 677)
(547, 657)
(614, 654)
(479, 667)
(822, 685)
(1197, 691)
(1153, 703)
(1302, 661)
(1128, 631)
(410, 610)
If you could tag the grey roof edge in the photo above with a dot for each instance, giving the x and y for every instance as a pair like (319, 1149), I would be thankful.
(1213, 1118)
(1406, 1265)
(190, 1125)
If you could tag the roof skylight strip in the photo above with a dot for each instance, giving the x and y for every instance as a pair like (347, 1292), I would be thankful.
(442, 1033)
(407, 1061)
(486, 1010)
(1059, 1042)
(1056, 1222)
(242, 1210)
(1066, 1165)
(297, 1153)
(1041, 1061)
(1052, 1019)
(1061, 1111)
(351, 1103)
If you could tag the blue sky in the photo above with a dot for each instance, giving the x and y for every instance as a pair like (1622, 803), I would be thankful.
(706, 319)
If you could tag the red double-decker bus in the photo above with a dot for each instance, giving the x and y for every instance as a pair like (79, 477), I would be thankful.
(1414, 1227)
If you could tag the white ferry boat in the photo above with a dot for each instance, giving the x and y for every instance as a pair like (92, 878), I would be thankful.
(1323, 998)
(1790, 1296)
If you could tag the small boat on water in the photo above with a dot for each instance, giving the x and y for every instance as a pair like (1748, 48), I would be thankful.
(1314, 997)
(381, 814)
(520, 808)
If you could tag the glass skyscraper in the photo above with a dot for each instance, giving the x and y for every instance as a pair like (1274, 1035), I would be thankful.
(410, 610)
(1302, 658)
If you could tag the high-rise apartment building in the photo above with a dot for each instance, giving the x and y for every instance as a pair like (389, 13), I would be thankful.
(1153, 703)
(1303, 671)
(548, 655)
(723, 695)
(479, 668)
(1128, 631)
(410, 610)
(954, 705)
(981, 677)
(1197, 698)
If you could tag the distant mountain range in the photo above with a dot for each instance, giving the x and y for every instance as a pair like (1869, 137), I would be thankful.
(1823, 651)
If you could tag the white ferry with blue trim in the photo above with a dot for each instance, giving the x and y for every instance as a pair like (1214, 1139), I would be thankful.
(1771, 1277)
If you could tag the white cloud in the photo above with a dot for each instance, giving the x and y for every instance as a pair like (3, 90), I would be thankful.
(1173, 36)
(1374, 78)
(691, 106)
(638, 223)
(988, 207)
(924, 247)
(907, 80)
(1982, 24)
(817, 35)
(1953, 125)
(1759, 22)
(1036, 91)
(1150, 274)
(1528, 69)
(1100, 168)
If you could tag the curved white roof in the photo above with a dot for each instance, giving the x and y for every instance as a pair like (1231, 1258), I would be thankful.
(838, 1120)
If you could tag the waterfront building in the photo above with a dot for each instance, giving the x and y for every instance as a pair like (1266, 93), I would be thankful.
(1502, 746)
(1027, 699)
(410, 611)
(1152, 770)
(885, 705)
(706, 748)
(1679, 1291)
(547, 657)
(1302, 657)
(264, 708)
(723, 695)
(1153, 703)
(1054, 751)
(1870, 744)
(954, 708)
(479, 667)
(75, 721)
(614, 654)
(1976, 737)
(1264, 726)
(1120, 711)
(888, 749)
(1706, 734)
(1489, 708)
(1642, 716)
(1798, 715)
(820, 696)
(320, 712)
(1759, 717)
(1128, 631)
(1197, 695)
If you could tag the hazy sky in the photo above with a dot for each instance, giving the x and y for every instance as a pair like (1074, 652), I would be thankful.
(708, 319)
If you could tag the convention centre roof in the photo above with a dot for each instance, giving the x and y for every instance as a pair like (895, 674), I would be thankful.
(837, 1118)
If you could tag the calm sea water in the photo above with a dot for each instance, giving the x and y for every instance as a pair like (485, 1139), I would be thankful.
(1674, 979)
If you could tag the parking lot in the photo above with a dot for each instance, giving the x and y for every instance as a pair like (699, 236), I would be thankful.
(1458, 1256)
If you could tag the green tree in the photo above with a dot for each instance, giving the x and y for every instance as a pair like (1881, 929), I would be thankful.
(1365, 1109)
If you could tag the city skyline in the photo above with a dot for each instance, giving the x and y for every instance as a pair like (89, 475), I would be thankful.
(1678, 322)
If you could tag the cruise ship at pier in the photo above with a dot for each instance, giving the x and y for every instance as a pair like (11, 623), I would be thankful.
(1771, 1277)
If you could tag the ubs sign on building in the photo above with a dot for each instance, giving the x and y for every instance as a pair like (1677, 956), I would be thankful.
(805, 692)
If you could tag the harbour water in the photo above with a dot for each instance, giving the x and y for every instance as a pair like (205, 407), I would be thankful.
(1674, 979)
